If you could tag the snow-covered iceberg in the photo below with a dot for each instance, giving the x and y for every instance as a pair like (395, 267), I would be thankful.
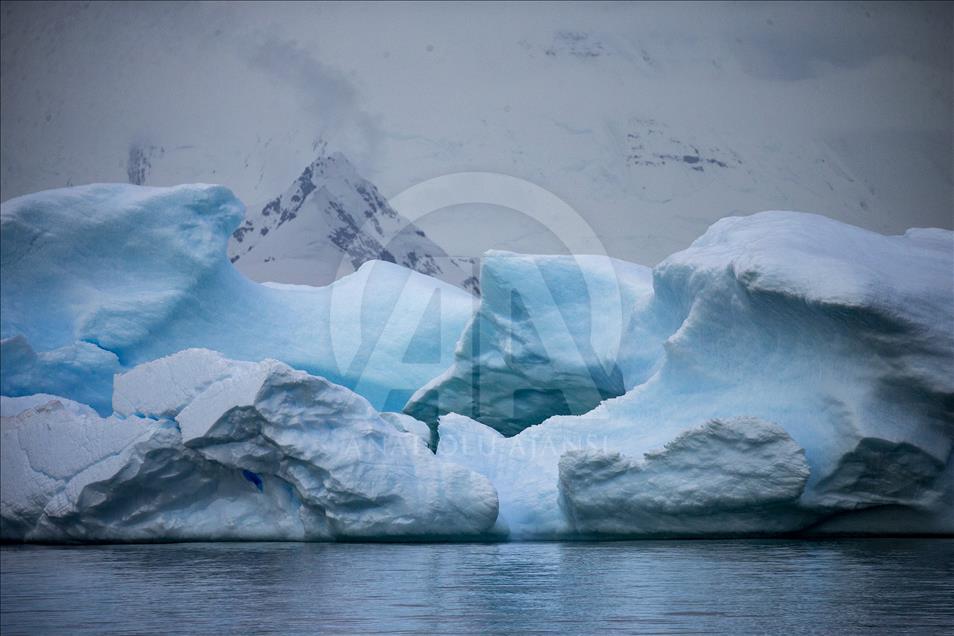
(785, 373)
(228, 450)
(839, 340)
(103, 277)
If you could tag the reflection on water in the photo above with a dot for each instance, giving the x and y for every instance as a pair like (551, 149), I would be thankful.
(860, 586)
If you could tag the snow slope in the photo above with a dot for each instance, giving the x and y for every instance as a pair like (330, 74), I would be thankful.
(103, 277)
(327, 224)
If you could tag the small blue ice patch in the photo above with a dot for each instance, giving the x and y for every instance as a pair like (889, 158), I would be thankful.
(255, 478)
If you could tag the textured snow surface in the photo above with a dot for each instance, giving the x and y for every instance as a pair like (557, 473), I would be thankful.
(53, 454)
(103, 277)
(234, 450)
(733, 476)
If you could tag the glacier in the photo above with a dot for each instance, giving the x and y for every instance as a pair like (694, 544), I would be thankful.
(786, 373)
(106, 276)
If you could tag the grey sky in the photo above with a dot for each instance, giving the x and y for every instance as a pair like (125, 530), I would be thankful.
(841, 108)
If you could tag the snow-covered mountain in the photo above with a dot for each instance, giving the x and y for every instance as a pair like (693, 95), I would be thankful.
(327, 224)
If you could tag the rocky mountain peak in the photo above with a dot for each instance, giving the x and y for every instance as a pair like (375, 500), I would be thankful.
(328, 223)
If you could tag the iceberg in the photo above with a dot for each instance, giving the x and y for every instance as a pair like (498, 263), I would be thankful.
(786, 373)
(52, 452)
(737, 476)
(228, 450)
(100, 278)
(841, 338)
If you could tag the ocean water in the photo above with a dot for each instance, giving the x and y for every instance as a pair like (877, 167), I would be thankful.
(650, 587)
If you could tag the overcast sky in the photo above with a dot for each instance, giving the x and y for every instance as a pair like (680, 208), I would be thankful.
(842, 108)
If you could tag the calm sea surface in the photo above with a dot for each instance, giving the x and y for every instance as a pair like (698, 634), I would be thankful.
(651, 587)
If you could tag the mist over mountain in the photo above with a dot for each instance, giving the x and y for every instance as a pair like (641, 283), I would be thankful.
(649, 121)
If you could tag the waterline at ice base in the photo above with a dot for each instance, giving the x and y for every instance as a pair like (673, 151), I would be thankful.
(785, 374)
